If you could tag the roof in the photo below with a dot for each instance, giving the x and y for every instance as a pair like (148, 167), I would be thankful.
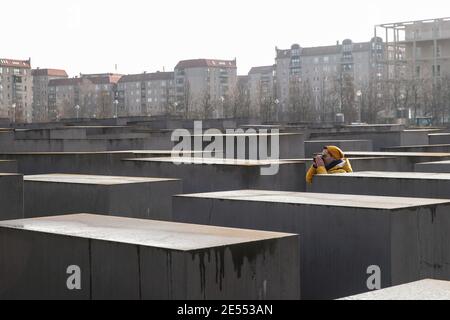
(104, 79)
(324, 50)
(65, 82)
(49, 73)
(15, 63)
(147, 77)
(206, 63)
(263, 69)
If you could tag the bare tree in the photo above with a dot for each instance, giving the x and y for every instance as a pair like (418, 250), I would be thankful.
(301, 101)
(348, 98)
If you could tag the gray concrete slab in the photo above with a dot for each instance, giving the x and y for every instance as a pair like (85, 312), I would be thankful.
(204, 175)
(122, 258)
(406, 161)
(394, 184)
(420, 148)
(381, 136)
(436, 167)
(8, 166)
(11, 196)
(341, 235)
(421, 290)
(313, 147)
(102, 162)
(290, 145)
(439, 138)
(57, 194)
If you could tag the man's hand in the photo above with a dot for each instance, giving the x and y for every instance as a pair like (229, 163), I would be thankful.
(319, 162)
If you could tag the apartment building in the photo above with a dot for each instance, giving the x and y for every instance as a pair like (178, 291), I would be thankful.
(147, 94)
(16, 90)
(261, 84)
(87, 96)
(41, 79)
(202, 86)
(325, 70)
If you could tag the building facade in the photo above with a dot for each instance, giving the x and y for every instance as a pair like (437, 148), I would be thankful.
(325, 80)
(16, 90)
(261, 82)
(41, 79)
(87, 96)
(147, 94)
(205, 87)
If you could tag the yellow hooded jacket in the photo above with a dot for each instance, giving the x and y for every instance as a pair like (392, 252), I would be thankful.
(343, 167)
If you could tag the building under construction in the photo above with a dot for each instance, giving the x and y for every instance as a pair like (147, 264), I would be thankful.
(417, 61)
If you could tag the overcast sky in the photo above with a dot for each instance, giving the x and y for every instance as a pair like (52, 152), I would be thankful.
(92, 36)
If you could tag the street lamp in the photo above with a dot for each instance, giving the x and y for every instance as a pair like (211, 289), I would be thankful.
(77, 108)
(359, 95)
(222, 98)
(14, 112)
(116, 104)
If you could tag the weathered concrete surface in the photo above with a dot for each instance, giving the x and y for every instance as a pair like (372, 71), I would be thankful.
(405, 160)
(436, 167)
(8, 166)
(102, 162)
(439, 138)
(341, 235)
(123, 258)
(381, 136)
(240, 145)
(421, 148)
(11, 196)
(420, 290)
(313, 147)
(393, 184)
(55, 194)
(204, 175)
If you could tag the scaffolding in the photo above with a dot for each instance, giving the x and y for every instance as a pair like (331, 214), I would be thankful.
(402, 35)
(403, 60)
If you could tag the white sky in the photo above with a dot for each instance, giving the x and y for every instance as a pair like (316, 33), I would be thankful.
(91, 36)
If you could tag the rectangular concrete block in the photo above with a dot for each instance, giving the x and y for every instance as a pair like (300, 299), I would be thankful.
(436, 167)
(405, 160)
(393, 184)
(445, 148)
(8, 166)
(57, 194)
(204, 175)
(421, 290)
(289, 145)
(122, 258)
(11, 196)
(341, 235)
(313, 147)
(439, 138)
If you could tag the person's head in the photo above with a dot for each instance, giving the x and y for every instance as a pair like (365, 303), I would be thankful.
(331, 154)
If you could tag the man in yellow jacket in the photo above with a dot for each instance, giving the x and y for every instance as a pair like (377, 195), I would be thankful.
(331, 161)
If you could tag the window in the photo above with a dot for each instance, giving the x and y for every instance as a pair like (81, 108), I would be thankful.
(437, 71)
(295, 62)
(326, 59)
(418, 52)
(418, 71)
(438, 51)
